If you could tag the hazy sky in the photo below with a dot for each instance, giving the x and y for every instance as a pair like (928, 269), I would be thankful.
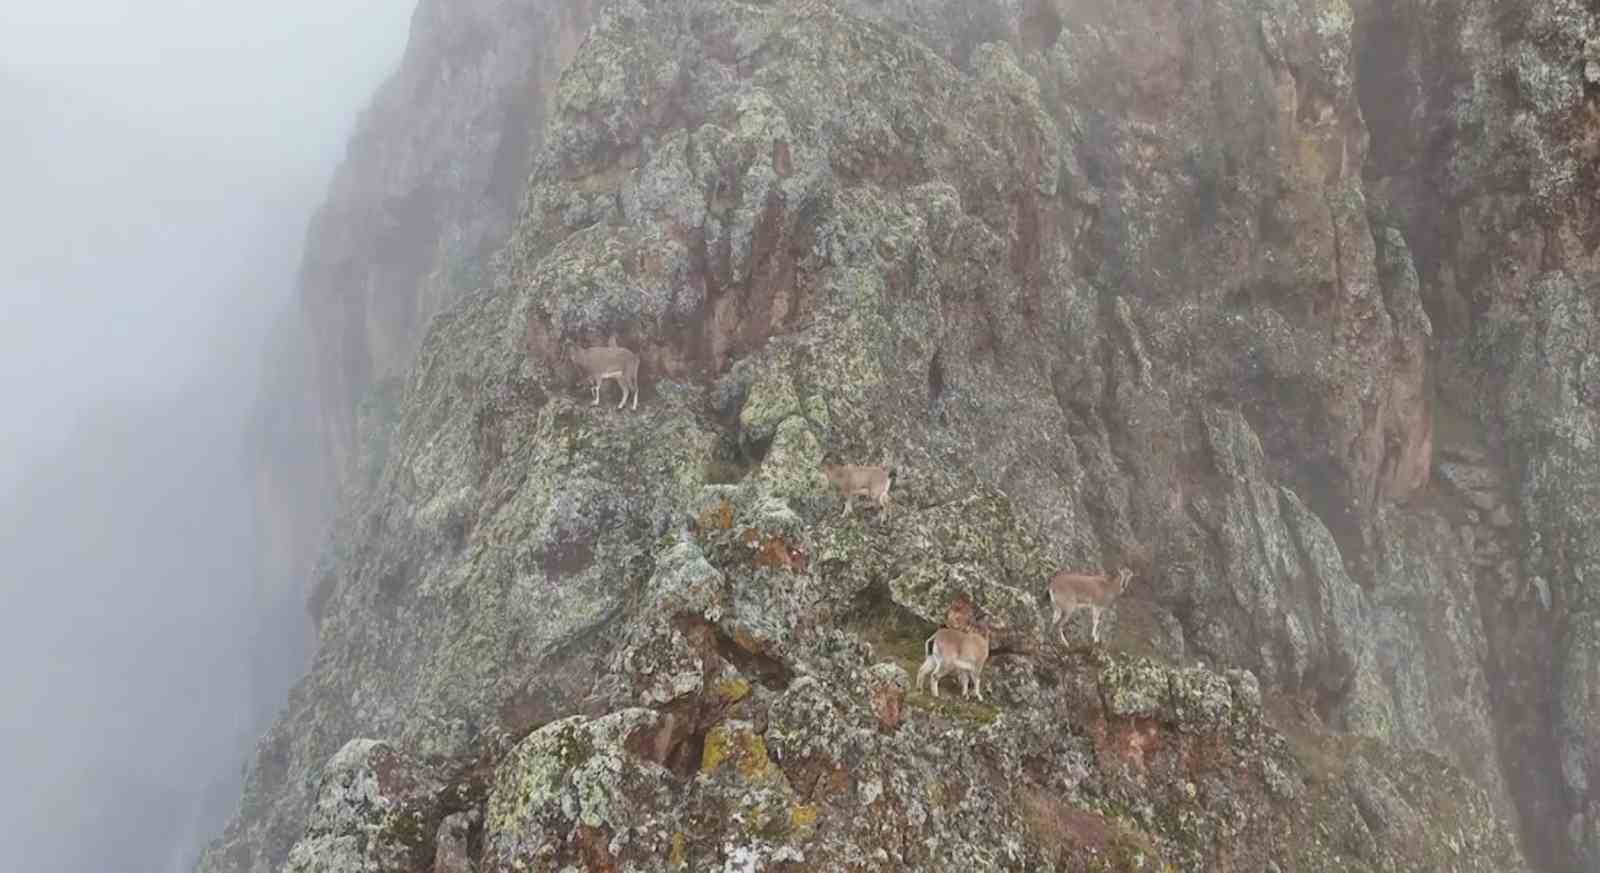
(170, 138)
(158, 163)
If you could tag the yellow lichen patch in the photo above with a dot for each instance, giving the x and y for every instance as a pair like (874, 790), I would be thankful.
(678, 856)
(716, 749)
(743, 746)
(803, 818)
(732, 690)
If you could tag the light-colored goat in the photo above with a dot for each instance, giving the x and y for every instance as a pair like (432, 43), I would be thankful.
(963, 652)
(869, 482)
(610, 362)
(1071, 591)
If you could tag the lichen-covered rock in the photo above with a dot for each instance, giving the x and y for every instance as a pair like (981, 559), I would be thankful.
(570, 788)
(376, 810)
(806, 773)
(1424, 625)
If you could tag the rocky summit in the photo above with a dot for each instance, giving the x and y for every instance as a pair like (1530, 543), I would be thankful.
(1288, 306)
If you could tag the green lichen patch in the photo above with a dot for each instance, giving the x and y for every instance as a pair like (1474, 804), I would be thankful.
(577, 766)
(949, 704)
(537, 770)
(1132, 688)
(408, 829)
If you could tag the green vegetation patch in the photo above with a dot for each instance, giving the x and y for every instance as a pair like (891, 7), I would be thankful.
(950, 704)
(895, 633)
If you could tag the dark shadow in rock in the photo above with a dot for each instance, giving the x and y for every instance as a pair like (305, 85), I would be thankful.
(1041, 27)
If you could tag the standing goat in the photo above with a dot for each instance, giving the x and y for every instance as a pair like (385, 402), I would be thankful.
(1070, 591)
(869, 482)
(610, 362)
(954, 650)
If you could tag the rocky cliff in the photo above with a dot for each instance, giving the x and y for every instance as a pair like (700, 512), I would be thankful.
(428, 190)
(1285, 305)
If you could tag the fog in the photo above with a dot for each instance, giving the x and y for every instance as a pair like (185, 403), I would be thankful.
(159, 161)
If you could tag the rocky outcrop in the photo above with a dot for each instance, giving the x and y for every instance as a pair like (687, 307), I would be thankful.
(1107, 284)
(1126, 765)
(1174, 769)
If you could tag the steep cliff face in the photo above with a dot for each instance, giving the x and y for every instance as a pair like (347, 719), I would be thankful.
(1484, 143)
(428, 190)
(1281, 304)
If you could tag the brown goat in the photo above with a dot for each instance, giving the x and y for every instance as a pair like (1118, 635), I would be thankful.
(964, 652)
(1071, 591)
(869, 482)
(610, 362)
